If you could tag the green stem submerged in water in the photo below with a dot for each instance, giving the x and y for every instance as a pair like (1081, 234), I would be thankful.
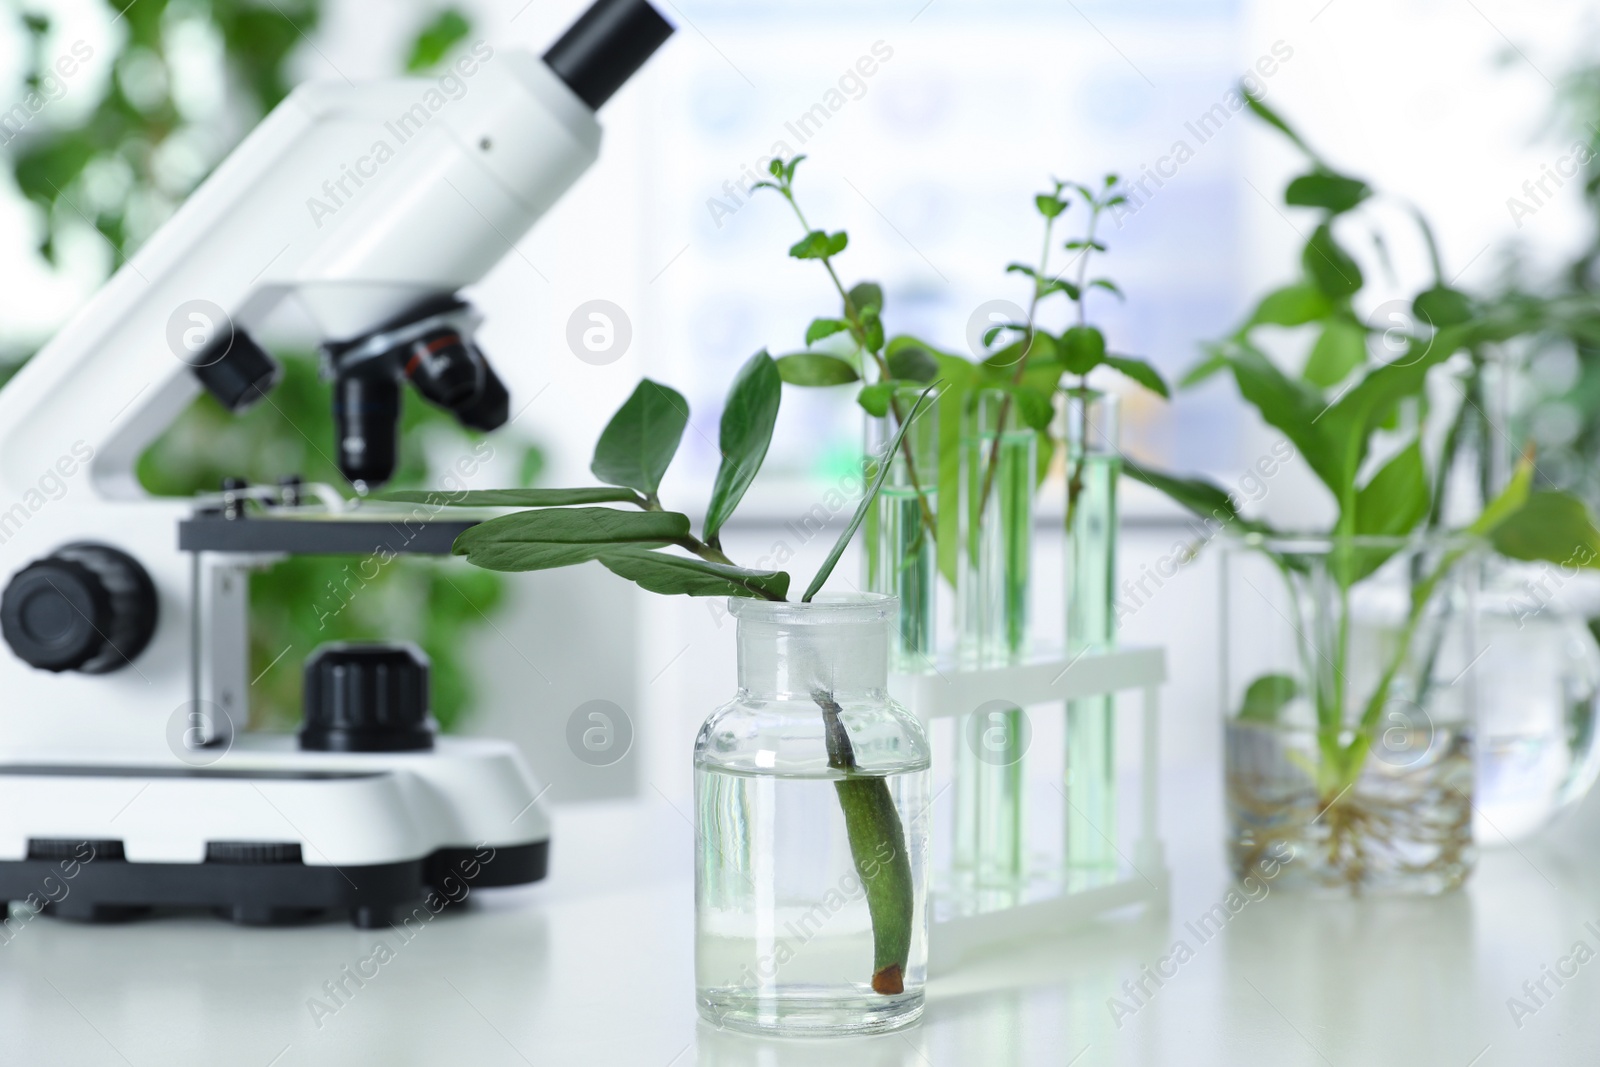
(878, 848)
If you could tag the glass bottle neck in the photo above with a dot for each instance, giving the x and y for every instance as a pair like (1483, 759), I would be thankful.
(793, 661)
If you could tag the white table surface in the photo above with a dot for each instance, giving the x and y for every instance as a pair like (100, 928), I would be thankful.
(594, 967)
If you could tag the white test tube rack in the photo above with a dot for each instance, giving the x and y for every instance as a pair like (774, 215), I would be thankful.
(951, 692)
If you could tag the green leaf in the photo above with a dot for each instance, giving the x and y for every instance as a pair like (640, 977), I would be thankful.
(960, 376)
(1330, 266)
(638, 444)
(874, 398)
(748, 417)
(1292, 305)
(1397, 497)
(1507, 501)
(1349, 423)
(1058, 285)
(1141, 372)
(1266, 698)
(1002, 362)
(1109, 286)
(913, 365)
(511, 498)
(884, 463)
(1551, 526)
(536, 555)
(672, 575)
(815, 368)
(1049, 206)
(821, 328)
(1215, 361)
(1332, 192)
(1294, 408)
(867, 295)
(561, 537)
(1269, 116)
(994, 331)
(1035, 407)
(1442, 306)
(1340, 349)
(1203, 497)
(819, 244)
(436, 39)
(1082, 348)
(872, 328)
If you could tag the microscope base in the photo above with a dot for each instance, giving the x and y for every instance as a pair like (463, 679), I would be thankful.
(375, 896)
(265, 834)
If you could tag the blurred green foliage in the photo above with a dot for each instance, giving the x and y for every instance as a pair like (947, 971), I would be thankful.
(436, 39)
(114, 171)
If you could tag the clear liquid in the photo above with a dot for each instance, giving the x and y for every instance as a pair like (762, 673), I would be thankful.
(989, 832)
(903, 561)
(999, 548)
(784, 936)
(1091, 625)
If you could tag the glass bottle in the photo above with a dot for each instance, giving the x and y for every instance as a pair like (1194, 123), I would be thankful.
(901, 551)
(812, 790)
(1089, 431)
(999, 460)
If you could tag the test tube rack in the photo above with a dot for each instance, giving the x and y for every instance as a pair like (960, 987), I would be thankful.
(947, 690)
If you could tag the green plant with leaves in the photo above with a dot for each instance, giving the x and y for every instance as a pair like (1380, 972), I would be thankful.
(106, 173)
(852, 346)
(1035, 363)
(1365, 429)
(657, 549)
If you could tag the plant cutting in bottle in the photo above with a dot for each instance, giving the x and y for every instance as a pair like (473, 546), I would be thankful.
(1368, 431)
(562, 527)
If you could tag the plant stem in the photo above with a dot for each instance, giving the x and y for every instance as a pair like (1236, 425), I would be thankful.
(872, 823)
(710, 552)
(1351, 757)
(858, 331)
(1022, 366)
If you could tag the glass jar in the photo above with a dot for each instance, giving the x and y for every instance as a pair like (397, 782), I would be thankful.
(812, 790)
(1538, 750)
(1350, 694)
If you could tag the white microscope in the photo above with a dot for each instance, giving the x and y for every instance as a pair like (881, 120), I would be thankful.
(361, 210)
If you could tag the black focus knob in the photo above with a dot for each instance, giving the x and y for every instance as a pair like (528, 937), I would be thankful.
(85, 607)
(367, 698)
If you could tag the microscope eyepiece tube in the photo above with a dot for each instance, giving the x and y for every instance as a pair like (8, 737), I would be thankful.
(604, 48)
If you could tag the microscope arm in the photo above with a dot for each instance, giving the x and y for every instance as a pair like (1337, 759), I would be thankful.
(350, 202)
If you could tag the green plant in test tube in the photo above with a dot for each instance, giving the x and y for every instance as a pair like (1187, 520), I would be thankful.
(1088, 430)
(1093, 464)
(997, 560)
(901, 549)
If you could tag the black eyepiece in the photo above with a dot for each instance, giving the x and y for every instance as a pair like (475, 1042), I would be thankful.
(604, 48)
